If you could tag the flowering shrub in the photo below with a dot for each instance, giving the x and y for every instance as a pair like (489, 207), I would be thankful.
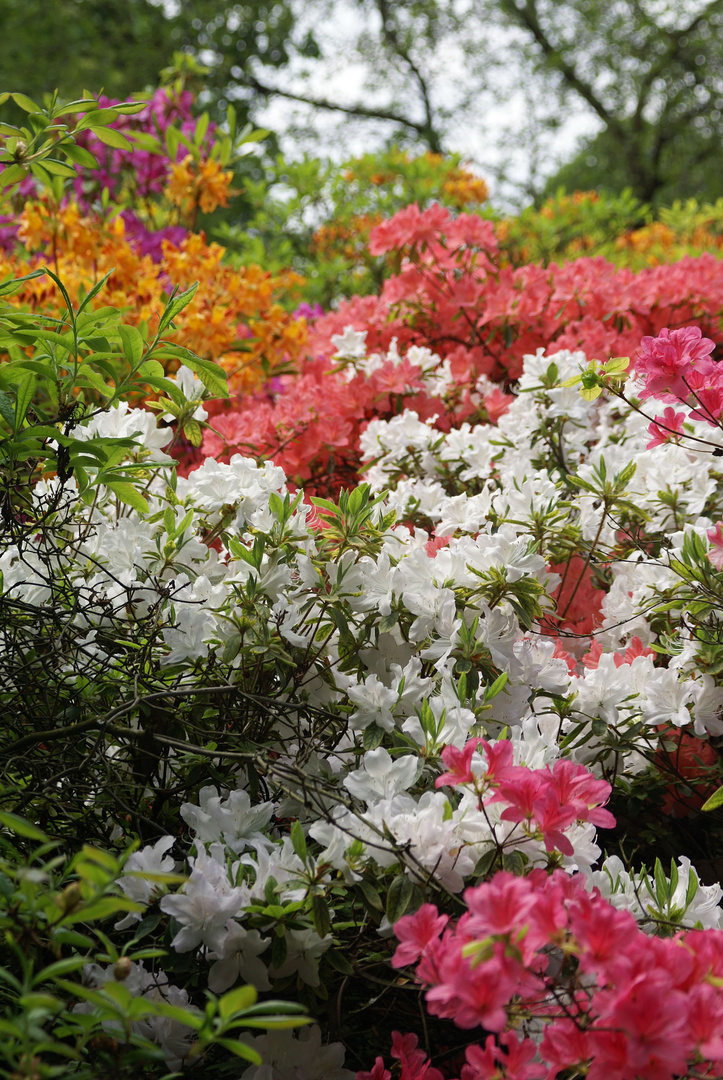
(373, 716)
(544, 950)
(316, 216)
(142, 246)
(451, 705)
(452, 299)
(617, 227)
(453, 296)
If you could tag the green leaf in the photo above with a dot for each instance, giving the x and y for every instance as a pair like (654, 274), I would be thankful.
(166, 386)
(91, 296)
(84, 104)
(298, 839)
(183, 1016)
(58, 168)
(240, 1050)
(113, 138)
(130, 108)
(88, 377)
(40, 174)
(496, 687)
(102, 909)
(95, 117)
(398, 897)
(201, 128)
(129, 494)
(173, 141)
(59, 968)
(714, 801)
(12, 175)
(372, 737)
(150, 369)
(44, 1002)
(11, 285)
(616, 364)
(326, 504)
(338, 962)
(236, 1001)
(25, 103)
(371, 895)
(21, 827)
(146, 926)
(176, 304)
(279, 1023)
(673, 877)
(320, 915)
(192, 431)
(515, 862)
(79, 155)
(7, 408)
(133, 346)
(662, 892)
(211, 374)
(282, 1008)
(388, 622)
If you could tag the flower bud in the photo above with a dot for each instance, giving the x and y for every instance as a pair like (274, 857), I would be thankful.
(70, 898)
(122, 969)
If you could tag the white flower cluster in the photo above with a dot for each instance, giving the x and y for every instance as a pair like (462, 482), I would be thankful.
(516, 476)
(362, 660)
(434, 374)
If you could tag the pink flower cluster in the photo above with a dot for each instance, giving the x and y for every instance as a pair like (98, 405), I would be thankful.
(453, 295)
(610, 1001)
(310, 423)
(413, 1063)
(676, 364)
(548, 800)
(678, 367)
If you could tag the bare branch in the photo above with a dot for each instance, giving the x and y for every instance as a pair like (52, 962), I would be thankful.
(349, 110)
(391, 36)
(527, 17)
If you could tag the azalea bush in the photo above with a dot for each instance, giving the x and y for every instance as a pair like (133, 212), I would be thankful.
(453, 298)
(315, 216)
(127, 208)
(620, 228)
(389, 721)
(314, 678)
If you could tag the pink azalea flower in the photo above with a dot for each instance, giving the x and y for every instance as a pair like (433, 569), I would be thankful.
(415, 932)
(668, 361)
(378, 1072)
(414, 1063)
(666, 428)
(715, 537)
(459, 765)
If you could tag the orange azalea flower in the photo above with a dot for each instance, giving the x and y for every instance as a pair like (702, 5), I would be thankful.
(231, 304)
(205, 185)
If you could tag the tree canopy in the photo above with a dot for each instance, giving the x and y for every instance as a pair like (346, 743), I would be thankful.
(506, 77)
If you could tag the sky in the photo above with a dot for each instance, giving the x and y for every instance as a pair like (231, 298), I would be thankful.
(487, 140)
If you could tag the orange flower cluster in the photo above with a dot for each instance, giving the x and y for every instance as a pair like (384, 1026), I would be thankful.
(462, 188)
(583, 223)
(204, 184)
(236, 317)
(657, 243)
(345, 238)
(567, 202)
